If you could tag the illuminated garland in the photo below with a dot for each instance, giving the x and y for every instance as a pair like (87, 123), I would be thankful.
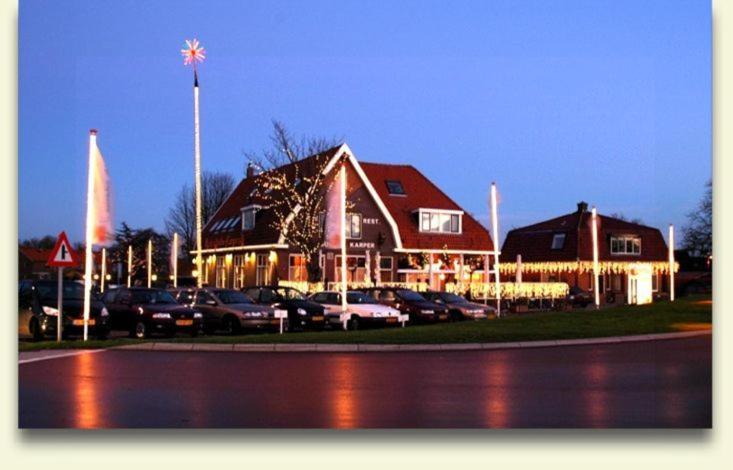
(512, 290)
(608, 267)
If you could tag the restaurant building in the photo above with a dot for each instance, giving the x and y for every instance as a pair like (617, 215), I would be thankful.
(633, 258)
(400, 228)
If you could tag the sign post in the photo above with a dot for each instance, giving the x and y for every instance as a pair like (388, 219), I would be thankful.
(61, 256)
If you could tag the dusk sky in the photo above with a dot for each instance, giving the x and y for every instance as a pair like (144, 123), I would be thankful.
(603, 101)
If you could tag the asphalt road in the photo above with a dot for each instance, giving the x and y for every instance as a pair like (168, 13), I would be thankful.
(647, 384)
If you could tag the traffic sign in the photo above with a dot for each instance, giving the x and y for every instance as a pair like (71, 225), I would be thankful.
(63, 255)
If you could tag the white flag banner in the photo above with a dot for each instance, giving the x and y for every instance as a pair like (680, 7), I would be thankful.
(332, 235)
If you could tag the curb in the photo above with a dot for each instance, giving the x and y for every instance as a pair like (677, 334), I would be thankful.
(315, 347)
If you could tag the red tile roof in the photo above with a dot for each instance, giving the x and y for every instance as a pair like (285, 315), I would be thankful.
(35, 255)
(420, 192)
(534, 242)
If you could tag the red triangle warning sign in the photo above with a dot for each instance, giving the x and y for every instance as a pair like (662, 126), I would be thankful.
(63, 255)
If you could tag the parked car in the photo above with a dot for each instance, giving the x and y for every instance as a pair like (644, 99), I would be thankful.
(228, 310)
(363, 310)
(578, 297)
(410, 303)
(459, 308)
(302, 313)
(38, 310)
(143, 312)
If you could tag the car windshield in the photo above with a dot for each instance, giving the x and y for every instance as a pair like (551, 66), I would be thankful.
(359, 298)
(410, 296)
(232, 297)
(452, 298)
(290, 294)
(152, 297)
(71, 290)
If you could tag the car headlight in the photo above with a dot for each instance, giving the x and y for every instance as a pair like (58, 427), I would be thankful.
(50, 311)
(426, 311)
(104, 312)
(197, 315)
(162, 316)
(301, 311)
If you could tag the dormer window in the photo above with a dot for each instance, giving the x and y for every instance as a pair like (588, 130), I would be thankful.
(440, 221)
(248, 216)
(395, 188)
(626, 245)
(558, 241)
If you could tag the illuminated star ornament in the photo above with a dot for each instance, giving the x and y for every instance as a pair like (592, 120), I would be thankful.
(193, 53)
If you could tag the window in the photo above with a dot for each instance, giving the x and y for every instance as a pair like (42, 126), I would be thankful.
(248, 217)
(221, 272)
(558, 241)
(297, 268)
(655, 282)
(239, 271)
(263, 272)
(353, 226)
(437, 221)
(395, 188)
(626, 245)
(385, 269)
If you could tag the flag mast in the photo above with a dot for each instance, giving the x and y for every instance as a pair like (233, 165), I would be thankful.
(495, 229)
(191, 55)
(89, 232)
(342, 215)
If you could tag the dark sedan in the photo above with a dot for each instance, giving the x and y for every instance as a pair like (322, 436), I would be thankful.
(459, 308)
(409, 302)
(38, 310)
(229, 310)
(302, 313)
(143, 312)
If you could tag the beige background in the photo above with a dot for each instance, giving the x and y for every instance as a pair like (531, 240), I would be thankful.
(416, 449)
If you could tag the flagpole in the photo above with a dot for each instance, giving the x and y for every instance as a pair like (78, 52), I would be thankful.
(129, 265)
(150, 263)
(495, 229)
(671, 262)
(89, 231)
(175, 259)
(104, 269)
(342, 177)
(197, 174)
(594, 234)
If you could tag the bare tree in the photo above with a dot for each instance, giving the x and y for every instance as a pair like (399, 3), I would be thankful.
(295, 193)
(698, 232)
(621, 216)
(215, 187)
(47, 242)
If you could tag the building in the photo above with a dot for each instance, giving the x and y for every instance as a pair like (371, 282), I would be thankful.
(634, 259)
(32, 263)
(401, 228)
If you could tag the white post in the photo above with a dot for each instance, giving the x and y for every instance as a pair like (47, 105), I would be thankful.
(519, 270)
(344, 306)
(89, 231)
(430, 271)
(671, 262)
(495, 227)
(459, 285)
(150, 263)
(104, 269)
(594, 234)
(175, 259)
(197, 177)
(60, 305)
(129, 266)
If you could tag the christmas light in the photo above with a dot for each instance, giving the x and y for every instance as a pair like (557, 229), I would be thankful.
(193, 52)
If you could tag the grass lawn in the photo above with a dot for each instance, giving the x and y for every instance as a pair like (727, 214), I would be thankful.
(686, 314)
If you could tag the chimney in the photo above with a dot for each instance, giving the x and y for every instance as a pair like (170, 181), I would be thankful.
(250, 170)
(582, 207)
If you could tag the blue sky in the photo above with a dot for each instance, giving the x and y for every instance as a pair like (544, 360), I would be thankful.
(603, 101)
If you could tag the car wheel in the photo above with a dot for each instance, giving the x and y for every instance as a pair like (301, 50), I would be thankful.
(141, 332)
(231, 326)
(35, 329)
(353, 323)
(456, 316)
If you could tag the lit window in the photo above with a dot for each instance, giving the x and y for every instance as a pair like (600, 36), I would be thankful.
(626, 245)
(436, 221)
(558, 241)
(353, 226)
(395, 187)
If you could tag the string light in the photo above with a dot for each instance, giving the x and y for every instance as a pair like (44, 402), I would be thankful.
(582, 267)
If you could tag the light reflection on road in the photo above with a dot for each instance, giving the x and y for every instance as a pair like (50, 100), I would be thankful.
(342, 393)
(87, 399)
(497, 395)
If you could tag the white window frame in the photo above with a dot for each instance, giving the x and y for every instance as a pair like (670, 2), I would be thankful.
(436, 220)
(239, 274)
(262, 270)
(556, 236)
(350, 217)
(246, 210)
(624, 240)
(292, 270)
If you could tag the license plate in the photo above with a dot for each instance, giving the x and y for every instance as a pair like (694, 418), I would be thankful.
(317, 318)
(184, 322)
(392, 320)
(442, 317)
(276, 321)
(81, 322)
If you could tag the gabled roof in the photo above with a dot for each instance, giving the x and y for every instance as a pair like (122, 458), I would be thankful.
(35, 255)
(420, 192)
(534, 242)
(398, 211)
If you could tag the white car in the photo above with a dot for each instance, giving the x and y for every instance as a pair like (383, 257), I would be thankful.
(361, 310)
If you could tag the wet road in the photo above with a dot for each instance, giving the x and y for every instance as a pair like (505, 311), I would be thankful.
(650, 384)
